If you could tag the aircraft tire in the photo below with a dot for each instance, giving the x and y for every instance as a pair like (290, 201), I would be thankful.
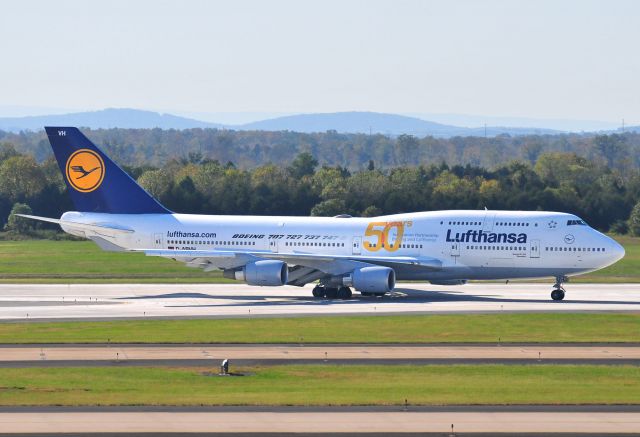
(318, 291)
(557, 294)
(344, 293)
(331, 293)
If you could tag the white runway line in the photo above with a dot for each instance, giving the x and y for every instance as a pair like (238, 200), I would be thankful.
(97, 301)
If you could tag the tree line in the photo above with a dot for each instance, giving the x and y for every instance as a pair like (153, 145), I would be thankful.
(605, 196)
(251, 149)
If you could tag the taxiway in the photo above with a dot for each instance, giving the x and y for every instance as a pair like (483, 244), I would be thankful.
(137, 301)
(282, 421)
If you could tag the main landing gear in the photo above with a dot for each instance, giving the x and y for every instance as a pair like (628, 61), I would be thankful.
(320, 291)
(558, 291)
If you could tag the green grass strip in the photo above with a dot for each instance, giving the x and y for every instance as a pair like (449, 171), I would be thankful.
(324, 385)
(473, 328)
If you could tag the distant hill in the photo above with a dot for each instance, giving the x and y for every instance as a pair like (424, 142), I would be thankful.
(389, 124)
(105, 119)
(342, 122)
(352, 122)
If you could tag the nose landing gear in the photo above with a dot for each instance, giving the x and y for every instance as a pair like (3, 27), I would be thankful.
(557, 294)
(558, 290)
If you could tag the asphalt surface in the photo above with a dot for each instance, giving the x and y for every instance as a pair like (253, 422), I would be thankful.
(212, 355)
(278, 422)
(139, 301)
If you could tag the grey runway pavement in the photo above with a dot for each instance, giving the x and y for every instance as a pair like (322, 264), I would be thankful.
(282, 421)
(211, 355)
(138, 301)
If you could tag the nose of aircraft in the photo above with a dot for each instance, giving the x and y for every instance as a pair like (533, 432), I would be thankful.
(616, 250)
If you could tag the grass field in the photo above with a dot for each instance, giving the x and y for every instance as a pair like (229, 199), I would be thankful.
(323, 385)
(45, 261)
(474, 328)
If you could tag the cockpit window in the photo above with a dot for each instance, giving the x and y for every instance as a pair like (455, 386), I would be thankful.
(576, 222)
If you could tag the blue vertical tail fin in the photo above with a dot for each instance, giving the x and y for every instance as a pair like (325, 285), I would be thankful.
(95, 182)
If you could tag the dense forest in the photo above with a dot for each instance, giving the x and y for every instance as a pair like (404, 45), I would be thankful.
(595, 177)
(251, 149)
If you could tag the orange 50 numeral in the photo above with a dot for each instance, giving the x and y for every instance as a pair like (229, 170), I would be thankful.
(380, 233)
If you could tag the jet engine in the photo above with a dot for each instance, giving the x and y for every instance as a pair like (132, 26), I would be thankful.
(265, 272)
(375, 279)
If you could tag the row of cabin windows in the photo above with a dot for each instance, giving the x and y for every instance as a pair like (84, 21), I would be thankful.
(574, 249)
(454, 223)
(314, 244)
(514, 248)
(405, 246)
(215, 243)
(463, 223)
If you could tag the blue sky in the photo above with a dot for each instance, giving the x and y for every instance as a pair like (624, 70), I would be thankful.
(544, 59)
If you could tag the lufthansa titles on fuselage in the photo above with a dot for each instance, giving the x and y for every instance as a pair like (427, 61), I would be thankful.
(480, 236)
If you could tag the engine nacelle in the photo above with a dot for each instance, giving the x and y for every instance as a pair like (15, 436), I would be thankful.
(375, 279)
(266, 273)
(448, 282)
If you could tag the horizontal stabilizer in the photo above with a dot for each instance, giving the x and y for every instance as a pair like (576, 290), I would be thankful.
(95, 227)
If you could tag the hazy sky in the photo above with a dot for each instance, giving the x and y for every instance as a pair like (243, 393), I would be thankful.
(549, 59)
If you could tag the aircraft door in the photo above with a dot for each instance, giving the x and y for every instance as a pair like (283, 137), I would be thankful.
(487, 224)
(534, 249)
(273, 245)
(455, 249)
(356, 245)
(157, 241)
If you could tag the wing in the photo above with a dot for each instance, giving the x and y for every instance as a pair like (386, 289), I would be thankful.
(305, 267)
(205, 259)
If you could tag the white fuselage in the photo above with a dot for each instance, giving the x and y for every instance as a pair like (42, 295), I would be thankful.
(469, 244)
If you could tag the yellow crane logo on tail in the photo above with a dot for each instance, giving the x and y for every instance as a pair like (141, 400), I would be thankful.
(85, 170)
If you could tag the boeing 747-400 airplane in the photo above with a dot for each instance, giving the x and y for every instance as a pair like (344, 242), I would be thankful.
(340, 253)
